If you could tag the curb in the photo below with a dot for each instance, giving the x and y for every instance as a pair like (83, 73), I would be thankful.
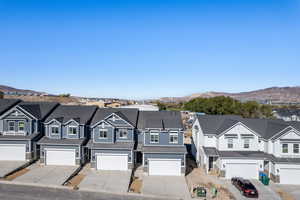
(35, 185)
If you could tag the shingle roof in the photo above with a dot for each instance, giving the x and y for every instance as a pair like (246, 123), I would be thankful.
(64, 113)
(266, 128)
(159, 119)
(6, 104)
(39, 110)
(285, 112)
(128, 114)
(162, 149)
(117, 145)
(46, 140)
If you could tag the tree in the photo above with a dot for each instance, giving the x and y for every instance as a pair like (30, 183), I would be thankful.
(161, 106)
(1, 95)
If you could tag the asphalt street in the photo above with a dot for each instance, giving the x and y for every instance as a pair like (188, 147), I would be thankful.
(23, 192)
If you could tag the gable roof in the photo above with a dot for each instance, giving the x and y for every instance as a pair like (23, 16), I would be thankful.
(160, 119)
(6, 104)
(39, 110)
(217, 124)
(65, 113)
(128, 114)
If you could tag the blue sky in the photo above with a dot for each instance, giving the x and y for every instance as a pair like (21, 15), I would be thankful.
(145, 49)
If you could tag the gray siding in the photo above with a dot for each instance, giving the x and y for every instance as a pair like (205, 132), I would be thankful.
(130, 134)
(118, 122)
(164, 139)
(63, 131)
(110, 134)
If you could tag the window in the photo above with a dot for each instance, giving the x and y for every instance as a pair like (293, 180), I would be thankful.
(54, 130)
(123, 133)
(246, 143)
(296, 148)
(21, 126)
(72, 130)
(154, 137)
(230, 143)
(103, 133)
(11, 126)
(174, 138)
(285, 148)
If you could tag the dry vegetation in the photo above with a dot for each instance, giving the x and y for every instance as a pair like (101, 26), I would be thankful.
(136, 185)
(16, 174)
(62, 100)
(284, 195)
(75, 181)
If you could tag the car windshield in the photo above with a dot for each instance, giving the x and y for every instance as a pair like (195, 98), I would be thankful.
(249, 186)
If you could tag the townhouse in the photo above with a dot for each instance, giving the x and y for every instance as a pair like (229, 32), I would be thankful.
(236, 146)
(112, 140)
(160, 147)
(66, 133)
(21, 126)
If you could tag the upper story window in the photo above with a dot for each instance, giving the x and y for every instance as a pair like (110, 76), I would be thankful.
(154, 137)
(54, 130)
(285, 148)
(103, 133)
(123, 133)
(174, 138)
(230, 143)
(72, 130)
(246, 143)
(21, 126)
(296, 148)
(11, 126)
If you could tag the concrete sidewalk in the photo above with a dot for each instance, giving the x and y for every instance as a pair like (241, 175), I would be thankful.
(7, 167)
(47, 175)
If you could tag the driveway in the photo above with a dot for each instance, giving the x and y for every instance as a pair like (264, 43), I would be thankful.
(9, 166)
(173, 187)
(46, 175)
(264, 192)
(106, 181)
(292, 190)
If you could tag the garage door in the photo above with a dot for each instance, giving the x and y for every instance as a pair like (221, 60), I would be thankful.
(244, 170)
(112, 162)
(290, 175)
(164, 167)
(60, 157)
(12, 152)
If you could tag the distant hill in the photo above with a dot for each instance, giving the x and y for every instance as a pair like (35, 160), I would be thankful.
(14, 91)
(275, 95)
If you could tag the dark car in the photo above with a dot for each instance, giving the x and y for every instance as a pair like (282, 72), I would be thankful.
(245, 187)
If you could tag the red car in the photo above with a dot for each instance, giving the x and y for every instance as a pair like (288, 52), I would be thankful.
(245, 187)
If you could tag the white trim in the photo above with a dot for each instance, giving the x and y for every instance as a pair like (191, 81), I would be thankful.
(119, 118)
(71, 120)
(99, 122)
(50, 129)
(126, 133)
(298, 133)
(56, 149)
(236, 124)
(51, 122)
(72, 126)
(172, 134)
(103, 130)
(153, 133)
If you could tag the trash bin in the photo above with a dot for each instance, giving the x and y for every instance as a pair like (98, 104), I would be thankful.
(266, 180)
(201, 192)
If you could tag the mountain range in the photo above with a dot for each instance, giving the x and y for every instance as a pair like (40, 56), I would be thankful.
(11, 90)
(280, 95)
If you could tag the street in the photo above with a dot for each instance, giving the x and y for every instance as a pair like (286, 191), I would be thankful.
(21, 192)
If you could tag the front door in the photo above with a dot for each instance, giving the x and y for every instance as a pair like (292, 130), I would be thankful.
(210, 163)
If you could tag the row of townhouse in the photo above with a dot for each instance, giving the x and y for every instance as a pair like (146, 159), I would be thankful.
(235, 146)
(110, 138)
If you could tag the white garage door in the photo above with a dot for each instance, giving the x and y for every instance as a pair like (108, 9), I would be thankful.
(112, 162)
(290, 175)
(12, 152)
(165, 167)
(60, 157)
(244, 170)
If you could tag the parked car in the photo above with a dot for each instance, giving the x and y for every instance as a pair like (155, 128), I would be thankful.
(245, 187)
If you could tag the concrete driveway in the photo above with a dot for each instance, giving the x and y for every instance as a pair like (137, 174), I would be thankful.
(173, 187)
(9, 166)
(264, 192)
(106, 181)
(293, 190)
(46, 175)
